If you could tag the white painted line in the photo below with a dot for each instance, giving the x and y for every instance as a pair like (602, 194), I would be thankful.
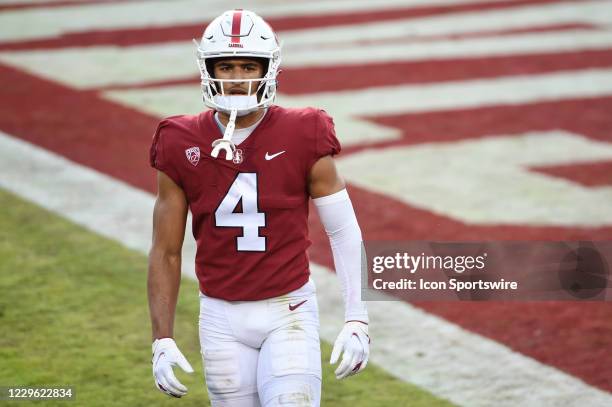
(352, 108)
(161, 101)
(410, 344)
(387, 100)
(87, 197)
(494, 46)
(52, 22)
(93, 67)
(488, 181)
(187, 99)
(587, 12)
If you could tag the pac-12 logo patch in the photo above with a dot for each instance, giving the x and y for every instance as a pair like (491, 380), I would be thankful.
(193, 155)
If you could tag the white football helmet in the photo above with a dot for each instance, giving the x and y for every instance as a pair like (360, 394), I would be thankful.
(238, 33)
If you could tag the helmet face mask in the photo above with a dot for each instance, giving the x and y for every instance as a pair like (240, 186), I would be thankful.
(238, 34)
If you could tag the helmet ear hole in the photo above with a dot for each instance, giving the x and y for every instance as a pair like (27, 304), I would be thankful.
(265, 64)
(210, 66)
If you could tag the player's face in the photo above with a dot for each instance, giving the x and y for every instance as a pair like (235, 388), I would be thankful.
(238, 68)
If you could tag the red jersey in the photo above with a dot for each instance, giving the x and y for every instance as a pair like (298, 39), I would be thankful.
(250, 215)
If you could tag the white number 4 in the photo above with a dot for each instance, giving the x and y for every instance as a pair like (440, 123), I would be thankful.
(250, 219)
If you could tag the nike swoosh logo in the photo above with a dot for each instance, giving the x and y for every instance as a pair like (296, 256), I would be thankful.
(293, 307)
(369, 340)
(159, 357)
(269, 157)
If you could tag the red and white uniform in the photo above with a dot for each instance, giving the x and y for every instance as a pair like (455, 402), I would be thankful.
(250, 215)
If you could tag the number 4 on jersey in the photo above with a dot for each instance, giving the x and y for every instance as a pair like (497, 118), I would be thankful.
(244, 188)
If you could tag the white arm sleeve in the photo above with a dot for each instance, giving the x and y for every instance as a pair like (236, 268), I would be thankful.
(338, 218)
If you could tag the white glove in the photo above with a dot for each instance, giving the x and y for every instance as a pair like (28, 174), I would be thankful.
(354, 344)
(166, 355)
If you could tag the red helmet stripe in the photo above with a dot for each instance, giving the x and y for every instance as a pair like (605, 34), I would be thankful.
(236, 22)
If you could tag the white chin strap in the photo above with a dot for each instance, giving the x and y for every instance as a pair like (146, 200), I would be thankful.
(236, 106)
(225, 143)
(242, 103)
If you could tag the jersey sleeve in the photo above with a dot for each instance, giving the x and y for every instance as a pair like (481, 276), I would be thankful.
(326, 141)
(159, 156)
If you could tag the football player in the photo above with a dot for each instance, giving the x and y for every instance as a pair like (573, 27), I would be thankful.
(247, 170)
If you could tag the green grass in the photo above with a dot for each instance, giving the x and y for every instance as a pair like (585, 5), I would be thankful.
(73, 311)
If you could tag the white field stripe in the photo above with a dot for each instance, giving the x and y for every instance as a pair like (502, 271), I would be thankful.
(352, 108)
(87, 197)
(410, 344)
(52, 22)
(99, 66)
(461, 94)
(488, 181)
(93, 67)
(589, 12)
(405, 51)
(187, 99)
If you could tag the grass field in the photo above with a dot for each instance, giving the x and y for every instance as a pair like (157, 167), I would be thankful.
(73, 311)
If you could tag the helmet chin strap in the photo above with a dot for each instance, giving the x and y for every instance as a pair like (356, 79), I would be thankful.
(244, 104)
(225, 143)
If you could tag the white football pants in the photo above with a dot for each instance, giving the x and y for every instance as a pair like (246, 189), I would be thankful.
(262, 353)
